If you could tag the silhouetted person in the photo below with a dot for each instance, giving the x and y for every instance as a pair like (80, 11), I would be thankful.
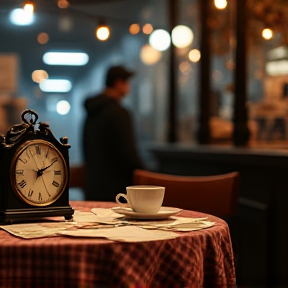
(109, 145)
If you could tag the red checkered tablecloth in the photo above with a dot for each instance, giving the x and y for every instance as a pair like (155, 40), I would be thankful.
(201, 258)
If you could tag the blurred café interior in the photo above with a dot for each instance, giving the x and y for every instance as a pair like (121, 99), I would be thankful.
(210, 95)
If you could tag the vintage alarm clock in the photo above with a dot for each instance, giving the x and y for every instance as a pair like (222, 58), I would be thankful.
(34, 172)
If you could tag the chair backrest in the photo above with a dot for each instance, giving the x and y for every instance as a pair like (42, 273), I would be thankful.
(77, 177)
(216, 195)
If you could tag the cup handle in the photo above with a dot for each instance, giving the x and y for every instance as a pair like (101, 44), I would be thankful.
(125, 197)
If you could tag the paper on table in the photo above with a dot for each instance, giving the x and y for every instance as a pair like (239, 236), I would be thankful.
(124, 233)
(175, 223)
(186, 227)
(90, 219)
(36, 230)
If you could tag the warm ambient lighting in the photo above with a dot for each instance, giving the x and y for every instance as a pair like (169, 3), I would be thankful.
(39, 75)
(194, 55)
(55, 85)
(134, 29)
(42, 38)
(147, 29)
(21, 17)
(29, 6)
(63, 107)
(182, 36)
(160, 40)
(267, 34)
(278, 53)
(185, 67)
(63, 4)
(102, 32)
(220, 4)
(66, 58)
(149, 55)
(278, 67)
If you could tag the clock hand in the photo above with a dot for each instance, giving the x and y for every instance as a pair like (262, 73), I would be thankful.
(40, 171)
(45, 186)
(33, 159)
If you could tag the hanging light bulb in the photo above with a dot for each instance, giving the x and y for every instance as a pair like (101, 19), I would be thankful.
(29, 6)
(220, 4)
(102, 32)
(134, 28)
(63, 4)
(267, 33)
(147, 29)
(182, 36)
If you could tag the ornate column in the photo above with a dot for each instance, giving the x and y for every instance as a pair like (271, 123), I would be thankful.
(241, 132)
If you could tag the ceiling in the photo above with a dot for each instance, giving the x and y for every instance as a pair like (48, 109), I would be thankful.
(83, 16)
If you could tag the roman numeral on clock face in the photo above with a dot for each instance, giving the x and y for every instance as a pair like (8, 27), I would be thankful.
(22, 184)
(38, 150)
(20, 172)
(56, 184)
(30, 193)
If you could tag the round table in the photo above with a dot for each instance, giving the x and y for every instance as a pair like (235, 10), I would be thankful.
(201, 258)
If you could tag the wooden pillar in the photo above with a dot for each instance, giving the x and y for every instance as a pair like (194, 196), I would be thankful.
(241, 132)
(172, 101)
(203, 133)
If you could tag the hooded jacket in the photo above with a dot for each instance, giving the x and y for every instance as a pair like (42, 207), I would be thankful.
(109, 148)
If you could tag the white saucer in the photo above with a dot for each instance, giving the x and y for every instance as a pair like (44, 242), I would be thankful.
(163, 213)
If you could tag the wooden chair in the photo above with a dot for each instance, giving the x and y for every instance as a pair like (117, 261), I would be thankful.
(77, 177)
(215, 195)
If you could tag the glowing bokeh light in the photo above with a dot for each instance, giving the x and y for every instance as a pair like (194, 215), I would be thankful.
(66, 58)
(42, 38)
(102, 33)
(28, 7)
(267, 34)
(63, 4)
(220, 4)
(63, 107)
(182, 36)
(55, 85)
(160, 40)
(149, 55)
(39, 75)
(65, 23)
(21, 17)
(185, 67)
(147, 29)
(194, 55)
(134, 29)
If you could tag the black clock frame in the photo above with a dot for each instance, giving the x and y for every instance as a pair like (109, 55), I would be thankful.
(12, 208)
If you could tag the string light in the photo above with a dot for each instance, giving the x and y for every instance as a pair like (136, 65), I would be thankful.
(42, 38)
(267, 34)
(134, 29)
(149, 55)
(102, 32)
(63, 4)
(220, 4)
(194, 55)
(182, 36)
(147, 29)
(29, 6)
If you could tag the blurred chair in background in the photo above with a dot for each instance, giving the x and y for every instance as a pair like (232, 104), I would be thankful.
(216, 195)
(77, 183)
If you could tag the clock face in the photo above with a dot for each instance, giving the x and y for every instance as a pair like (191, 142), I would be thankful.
(38, 173)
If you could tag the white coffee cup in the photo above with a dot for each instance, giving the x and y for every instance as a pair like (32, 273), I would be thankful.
(143, 198)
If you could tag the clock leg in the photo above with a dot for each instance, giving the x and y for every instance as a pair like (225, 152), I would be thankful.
(69, 218)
